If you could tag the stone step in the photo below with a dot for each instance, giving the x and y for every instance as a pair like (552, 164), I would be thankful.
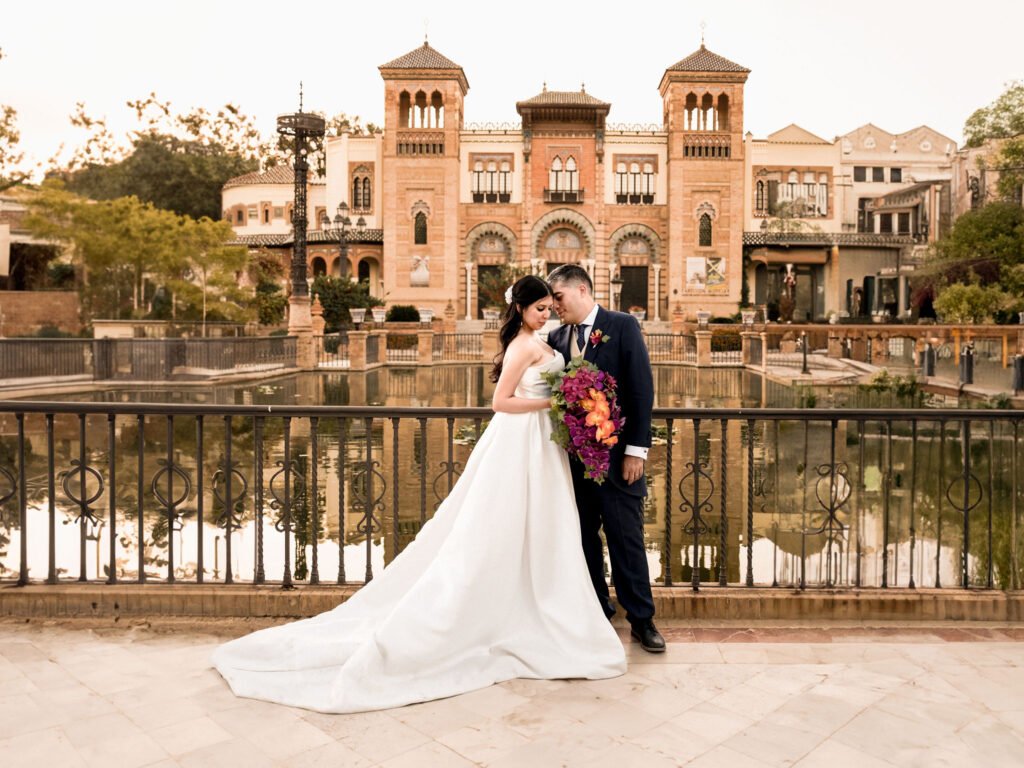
(73, 600)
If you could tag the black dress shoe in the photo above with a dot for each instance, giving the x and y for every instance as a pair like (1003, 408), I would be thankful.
(649, 637)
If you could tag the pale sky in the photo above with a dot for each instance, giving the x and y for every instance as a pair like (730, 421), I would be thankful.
(829, 67)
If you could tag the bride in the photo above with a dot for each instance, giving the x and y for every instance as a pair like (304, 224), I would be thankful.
(494, 587)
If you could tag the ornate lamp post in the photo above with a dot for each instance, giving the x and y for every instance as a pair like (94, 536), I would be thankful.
(340, 231)
(307, 131)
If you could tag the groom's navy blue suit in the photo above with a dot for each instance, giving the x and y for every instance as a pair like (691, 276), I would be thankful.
(616, 505)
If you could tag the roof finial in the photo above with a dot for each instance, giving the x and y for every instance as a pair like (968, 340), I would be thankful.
(703, 26)
(426, 29)
(583, 87)
(545, 88)
(300, 95)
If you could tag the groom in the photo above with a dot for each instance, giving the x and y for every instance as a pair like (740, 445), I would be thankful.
(612, 341)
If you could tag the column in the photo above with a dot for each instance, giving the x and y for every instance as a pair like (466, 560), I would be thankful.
(657, 292)
(703, 348)
(469, 289)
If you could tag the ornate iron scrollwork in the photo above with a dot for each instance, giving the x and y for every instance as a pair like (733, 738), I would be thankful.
(370, 522)
(835, 479)
(6, 479)
(298, 487)
(170, 467)
(83, 498)
(239, 484)
(696, 525)
(454, 469)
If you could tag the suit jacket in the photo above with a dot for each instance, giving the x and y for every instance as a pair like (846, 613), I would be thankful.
(623, 354)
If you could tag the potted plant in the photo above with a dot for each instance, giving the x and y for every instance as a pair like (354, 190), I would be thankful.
(638, 312)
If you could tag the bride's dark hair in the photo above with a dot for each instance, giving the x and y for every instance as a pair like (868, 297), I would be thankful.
(525, 292)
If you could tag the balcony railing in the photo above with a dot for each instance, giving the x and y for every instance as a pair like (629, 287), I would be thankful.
(563, 196)
(749, 497)
(492, 197)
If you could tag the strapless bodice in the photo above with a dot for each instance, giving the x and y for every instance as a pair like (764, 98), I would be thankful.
(532, 386)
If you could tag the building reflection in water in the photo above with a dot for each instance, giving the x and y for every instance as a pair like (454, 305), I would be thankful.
(788, 457)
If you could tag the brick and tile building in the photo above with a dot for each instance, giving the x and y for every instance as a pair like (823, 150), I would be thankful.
(686, 212)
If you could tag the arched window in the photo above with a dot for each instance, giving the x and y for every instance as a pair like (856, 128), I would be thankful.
(364, 271)
(420, 229)
(620, 183)
(504, 179)
(319, 266)
(555, 181)
(704, 237)
(634, 178)
(404, 110)
(759, 201)
(367, 200)
(647, 188)
(572, 179)
(357, 193)
(492, 177)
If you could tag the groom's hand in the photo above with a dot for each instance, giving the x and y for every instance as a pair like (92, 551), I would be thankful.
(632, 469)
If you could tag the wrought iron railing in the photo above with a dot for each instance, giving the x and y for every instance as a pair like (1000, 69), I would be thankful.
(458, 346)
(332, 350)
(402, 347)
(140, 359)
(758, 497)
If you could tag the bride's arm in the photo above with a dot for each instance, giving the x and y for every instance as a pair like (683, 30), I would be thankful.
(517, 359)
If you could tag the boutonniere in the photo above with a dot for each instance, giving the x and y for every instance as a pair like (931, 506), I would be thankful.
(599, 337)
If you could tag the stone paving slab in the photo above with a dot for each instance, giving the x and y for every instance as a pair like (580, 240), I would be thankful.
(129, 694)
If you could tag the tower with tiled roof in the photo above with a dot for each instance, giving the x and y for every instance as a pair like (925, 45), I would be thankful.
(702, 102)
(423, 113)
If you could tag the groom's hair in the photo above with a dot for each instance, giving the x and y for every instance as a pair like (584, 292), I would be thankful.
(571, 274)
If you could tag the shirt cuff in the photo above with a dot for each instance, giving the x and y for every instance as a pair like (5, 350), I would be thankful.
(635, 450)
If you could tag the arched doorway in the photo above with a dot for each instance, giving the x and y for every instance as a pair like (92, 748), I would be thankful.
(489, 247)
(319, 267)
(491, 253)
(635, 251)
(561, 244)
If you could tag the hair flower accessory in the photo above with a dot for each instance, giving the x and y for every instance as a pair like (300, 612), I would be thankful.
(508, 295)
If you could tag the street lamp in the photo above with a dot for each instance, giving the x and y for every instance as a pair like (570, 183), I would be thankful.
(340, 230)
(616, 292)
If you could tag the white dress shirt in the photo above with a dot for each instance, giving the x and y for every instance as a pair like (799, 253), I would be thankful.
(588, 324)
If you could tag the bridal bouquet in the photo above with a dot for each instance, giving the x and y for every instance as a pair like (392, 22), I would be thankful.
(586, 416)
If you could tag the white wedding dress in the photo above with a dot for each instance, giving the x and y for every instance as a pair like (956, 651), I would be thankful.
(494, 587)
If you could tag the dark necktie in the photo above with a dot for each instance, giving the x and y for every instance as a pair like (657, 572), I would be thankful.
(581, 338)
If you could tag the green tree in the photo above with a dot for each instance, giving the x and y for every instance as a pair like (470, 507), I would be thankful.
(266, 272)
(186, 177)
(337, 295)
(494, 283)
(959, 303)
(178, 162)
(1002, 119)
(1002, 122)
(11, 156)
(984, 249)
(124, 248)
(203, 274)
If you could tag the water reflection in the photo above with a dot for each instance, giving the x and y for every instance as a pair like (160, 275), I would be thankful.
(880, 510)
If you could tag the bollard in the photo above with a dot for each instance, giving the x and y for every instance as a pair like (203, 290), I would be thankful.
(967, 364)
(1018, 373)
(928, 361)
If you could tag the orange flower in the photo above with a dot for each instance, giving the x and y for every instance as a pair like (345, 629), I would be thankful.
(610, 441)
(605, 429)
(596, 418)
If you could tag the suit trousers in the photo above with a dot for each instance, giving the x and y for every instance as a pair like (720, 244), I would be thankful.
(621, 516)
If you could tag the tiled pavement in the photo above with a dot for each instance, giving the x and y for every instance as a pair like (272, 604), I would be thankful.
(75, 694)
